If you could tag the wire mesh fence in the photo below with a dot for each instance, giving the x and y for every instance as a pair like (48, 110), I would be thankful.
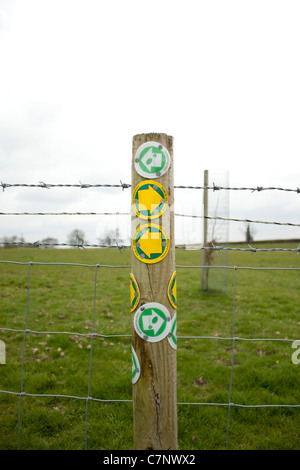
(31, 321)
(29, 331)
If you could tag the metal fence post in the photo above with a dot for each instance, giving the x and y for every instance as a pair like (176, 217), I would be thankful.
(153, 294)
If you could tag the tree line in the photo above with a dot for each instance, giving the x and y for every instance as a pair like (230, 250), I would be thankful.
(76, 237)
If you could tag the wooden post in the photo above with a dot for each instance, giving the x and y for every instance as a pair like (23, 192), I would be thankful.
(154, 298)
(204, 274)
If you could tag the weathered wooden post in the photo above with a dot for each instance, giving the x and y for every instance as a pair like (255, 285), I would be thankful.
(204, 271)
(153, 294)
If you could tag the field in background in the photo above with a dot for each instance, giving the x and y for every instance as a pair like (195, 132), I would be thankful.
(267, 305)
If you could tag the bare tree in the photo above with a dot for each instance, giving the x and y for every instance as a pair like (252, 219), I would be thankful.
(77, 237)
(49, 242)
(12, 241)
(110, 238)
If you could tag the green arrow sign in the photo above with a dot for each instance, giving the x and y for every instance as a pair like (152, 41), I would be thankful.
(152, 322)
(136, 369)
(152, 159)
(172, 336)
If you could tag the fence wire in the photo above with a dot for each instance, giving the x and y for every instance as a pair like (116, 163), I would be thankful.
(88, 398)
(250, 249)
(80, 185)
(93, 335)
(290, 224)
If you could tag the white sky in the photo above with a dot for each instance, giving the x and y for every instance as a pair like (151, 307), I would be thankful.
(79, 78)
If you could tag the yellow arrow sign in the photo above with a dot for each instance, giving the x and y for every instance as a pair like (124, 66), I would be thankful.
(149, 200)
(150, 243)
(134, 293)
(172, 290)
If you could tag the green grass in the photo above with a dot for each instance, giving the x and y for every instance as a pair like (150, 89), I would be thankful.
(267, 305)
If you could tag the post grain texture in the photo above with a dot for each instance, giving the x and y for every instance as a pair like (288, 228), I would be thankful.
(155, 391)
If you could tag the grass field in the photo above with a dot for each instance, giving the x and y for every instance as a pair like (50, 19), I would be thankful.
(266, 305)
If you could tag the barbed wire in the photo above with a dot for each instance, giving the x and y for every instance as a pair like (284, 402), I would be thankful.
(80, 185)
(43, 185)
(125, 186)
(64, 213)
(215, 187)
(290, 224)
(236, 220)
(39, 243)
(249, 249)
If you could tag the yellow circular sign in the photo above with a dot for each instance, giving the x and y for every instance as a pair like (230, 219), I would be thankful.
(149, 200)
(150, 243)
(134, 293)
(172, 290)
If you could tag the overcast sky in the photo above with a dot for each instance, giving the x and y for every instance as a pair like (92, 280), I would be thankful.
(79, 78)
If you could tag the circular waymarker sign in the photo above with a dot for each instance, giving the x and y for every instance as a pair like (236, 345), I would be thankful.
(149, 200)
(152, 160)
(172, 336)
(136, 368)
(152, 322)
(172, 290)
(134, 293)
(150, 243)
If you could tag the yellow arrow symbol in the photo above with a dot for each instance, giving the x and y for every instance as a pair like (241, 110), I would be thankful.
(149, 199)
(132, 292)
(150, 243)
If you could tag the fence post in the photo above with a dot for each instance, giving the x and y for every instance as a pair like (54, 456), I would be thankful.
(204, 273)
(153, 294)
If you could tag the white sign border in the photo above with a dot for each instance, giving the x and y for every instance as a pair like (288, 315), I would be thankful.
(147, 174)
(164, 334)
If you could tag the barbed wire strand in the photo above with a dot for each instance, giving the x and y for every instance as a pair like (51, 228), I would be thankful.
(229, 188)
(236, 220)
(214, 187)
(43, 185)
(128, 213)
(64, 213)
